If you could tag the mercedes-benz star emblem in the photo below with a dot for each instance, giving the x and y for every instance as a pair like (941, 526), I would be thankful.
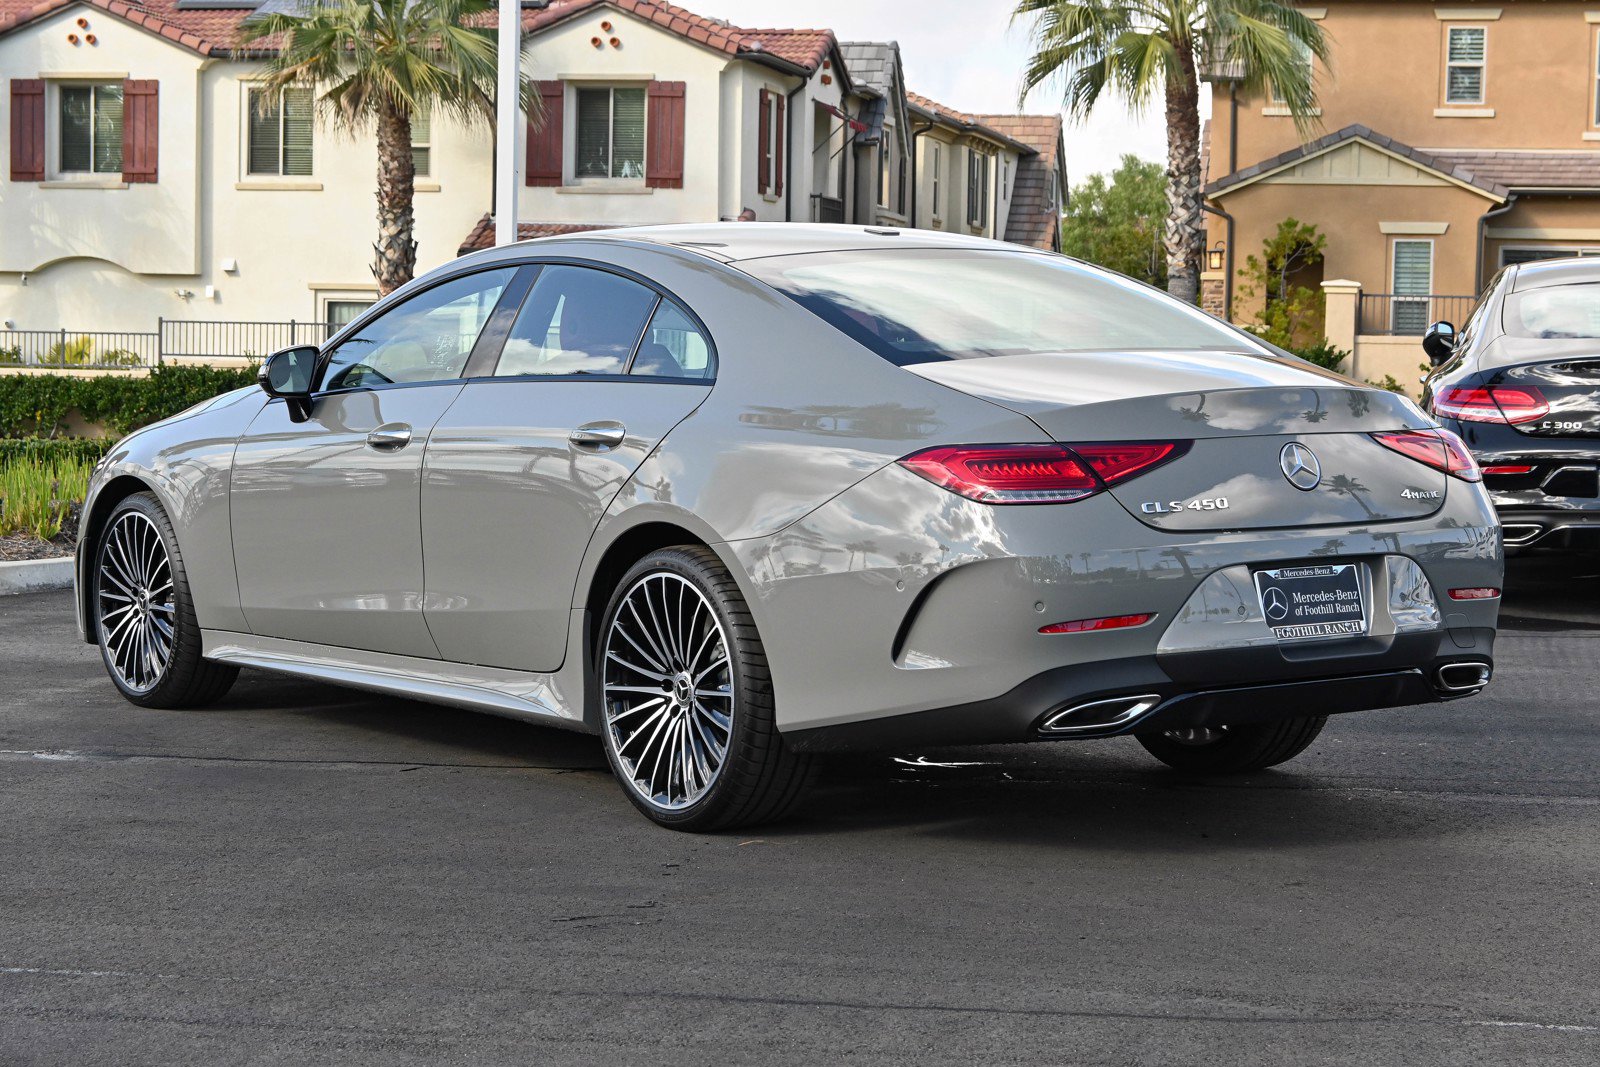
(1300, 466)
(1277, 604)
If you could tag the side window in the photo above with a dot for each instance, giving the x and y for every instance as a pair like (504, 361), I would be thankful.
(577, 321)
(426, 339)
(673, 346)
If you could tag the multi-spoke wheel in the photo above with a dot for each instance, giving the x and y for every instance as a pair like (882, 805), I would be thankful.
(688, 718)
(144, 615)
(1234, 748)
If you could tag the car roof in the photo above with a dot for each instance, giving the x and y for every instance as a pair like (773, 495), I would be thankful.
(731, 242)
(1572, 271)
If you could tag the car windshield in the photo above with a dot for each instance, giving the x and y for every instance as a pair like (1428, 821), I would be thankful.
(922, 305)
(1554, 311)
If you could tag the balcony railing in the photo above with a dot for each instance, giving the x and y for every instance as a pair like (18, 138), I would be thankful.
(826, 209)
(76, 348)
(1407, 315)
(171, 339)
(197, 339)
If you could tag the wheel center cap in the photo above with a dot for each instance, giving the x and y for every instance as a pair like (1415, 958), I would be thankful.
(682, 689)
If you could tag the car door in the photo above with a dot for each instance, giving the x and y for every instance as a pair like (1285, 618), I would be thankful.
(598, 368)
(325, 521)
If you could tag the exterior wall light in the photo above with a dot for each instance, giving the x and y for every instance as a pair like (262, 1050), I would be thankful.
(1217, 258)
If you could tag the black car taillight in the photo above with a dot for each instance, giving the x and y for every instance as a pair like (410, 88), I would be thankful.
(1439, 449)
(1497, 403)
(1038, 474)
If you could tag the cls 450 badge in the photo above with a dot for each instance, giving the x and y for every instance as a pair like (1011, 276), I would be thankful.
(1168, 507)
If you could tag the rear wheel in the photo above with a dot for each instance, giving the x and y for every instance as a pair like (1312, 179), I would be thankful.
(689, 727)
(143, 613)
(1234, 749)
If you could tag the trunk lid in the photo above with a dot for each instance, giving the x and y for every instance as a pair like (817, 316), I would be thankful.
(1240, 414)
(1571, 387)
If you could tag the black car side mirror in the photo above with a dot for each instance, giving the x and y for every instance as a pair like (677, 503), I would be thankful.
(1439, 342)
(288, 374)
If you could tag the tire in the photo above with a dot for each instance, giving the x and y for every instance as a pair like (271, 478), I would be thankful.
(1250, 747)
(668, 708)
(143, 615)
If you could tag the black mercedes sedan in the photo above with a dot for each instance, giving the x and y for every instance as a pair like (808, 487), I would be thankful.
(1520, 382)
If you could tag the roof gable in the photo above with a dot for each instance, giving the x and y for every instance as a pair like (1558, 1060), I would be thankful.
(802, 50)
(1356, 155)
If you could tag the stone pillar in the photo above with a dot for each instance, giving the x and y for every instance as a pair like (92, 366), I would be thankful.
(1214, 293)
(1340, 321)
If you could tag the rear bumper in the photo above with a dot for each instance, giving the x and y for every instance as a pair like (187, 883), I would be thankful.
(1568, 529)
(1191, 692)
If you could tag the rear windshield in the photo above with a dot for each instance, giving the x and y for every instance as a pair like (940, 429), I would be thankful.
(923, 305)
(1554, 311)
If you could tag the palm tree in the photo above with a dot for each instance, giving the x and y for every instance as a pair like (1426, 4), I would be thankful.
(1137, 48)
(378, 63)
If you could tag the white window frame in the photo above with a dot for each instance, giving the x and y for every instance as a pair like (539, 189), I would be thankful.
(886, 167)
(1307, 58)
(1482, 66)
(981, 221)
(935, 165)
(569, 137)
(1594, 83)
(1396, 298)
(1565, 250)
(54, 129)
(246, 175)
(425, 115)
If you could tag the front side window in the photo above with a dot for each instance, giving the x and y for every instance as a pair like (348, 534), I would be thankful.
(941, 304)
(610, 138)
(577, 321)
(1464, 69)
(278, 129)
(91, 129)
(673, 346)
(426, 339)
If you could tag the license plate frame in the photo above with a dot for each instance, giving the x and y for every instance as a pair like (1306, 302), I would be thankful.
(1312, 602)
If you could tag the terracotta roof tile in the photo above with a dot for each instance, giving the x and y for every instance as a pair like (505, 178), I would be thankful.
(1035, 217)
(208, 32)
(482, 235)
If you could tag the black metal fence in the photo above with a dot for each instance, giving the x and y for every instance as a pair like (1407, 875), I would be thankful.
(171, 339)
(826, 208)
(1405, 315)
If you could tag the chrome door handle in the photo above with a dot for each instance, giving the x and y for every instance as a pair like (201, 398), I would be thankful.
(598, 435)
(390, 438)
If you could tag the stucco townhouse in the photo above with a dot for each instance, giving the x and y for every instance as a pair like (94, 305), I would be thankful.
(1455, 138)
(149, 176)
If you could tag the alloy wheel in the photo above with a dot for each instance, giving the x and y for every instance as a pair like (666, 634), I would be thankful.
(134, 602)
(668, 686)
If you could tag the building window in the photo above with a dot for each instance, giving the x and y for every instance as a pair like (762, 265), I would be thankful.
(1412, 304)
(1594, 118)
(1302, 57)
(936, 170)
(886, 168)
(91, 129)
(422, 141)
(341, 313)
(977, 188)
(610, 139)
(1464, 73)
(278, 129)
(1511, 256)
(1005, 179)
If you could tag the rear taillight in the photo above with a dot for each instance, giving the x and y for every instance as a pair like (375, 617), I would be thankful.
(1497, 403)
(1038, 474)
(1509, 469)
(1439, 449)
(1481, 592)
(1084, 626)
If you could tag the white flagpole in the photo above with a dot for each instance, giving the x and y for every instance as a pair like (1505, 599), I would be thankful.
(508, 168)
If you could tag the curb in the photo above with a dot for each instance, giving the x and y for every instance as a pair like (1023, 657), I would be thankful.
(35, 575)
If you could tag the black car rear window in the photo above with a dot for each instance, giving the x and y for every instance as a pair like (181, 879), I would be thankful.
(1554, 311)
(921, 305)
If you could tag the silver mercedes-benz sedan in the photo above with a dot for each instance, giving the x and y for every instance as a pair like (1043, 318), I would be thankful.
(733, 495)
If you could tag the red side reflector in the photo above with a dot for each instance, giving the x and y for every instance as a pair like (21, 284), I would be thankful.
(1503, 468)
(1110, 622)
(1475, 593)
(1497, 403)
(1439, 449)
(1037, 474)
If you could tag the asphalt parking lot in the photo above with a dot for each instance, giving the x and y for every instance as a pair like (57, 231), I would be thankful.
(307, 874)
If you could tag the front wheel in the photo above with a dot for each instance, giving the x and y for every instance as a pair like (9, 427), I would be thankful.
(689, 725)
(143, 612)
(1234, 749)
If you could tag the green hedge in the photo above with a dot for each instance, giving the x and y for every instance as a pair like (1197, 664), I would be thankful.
(37, 404)
(54, 449)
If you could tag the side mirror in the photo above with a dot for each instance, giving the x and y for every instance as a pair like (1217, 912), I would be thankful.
(288, 375)
(1439, 342)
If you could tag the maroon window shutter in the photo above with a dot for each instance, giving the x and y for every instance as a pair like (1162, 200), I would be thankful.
(783, 135)
(764, 142)
(27, 129)
(663, 155)
(141, 130)
(545, 142)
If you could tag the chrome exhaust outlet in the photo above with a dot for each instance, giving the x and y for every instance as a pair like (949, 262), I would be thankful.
(1520, 533)
(1462, 677)
(1100, 715)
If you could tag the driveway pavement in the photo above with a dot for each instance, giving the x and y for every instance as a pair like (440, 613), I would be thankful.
(308, 874)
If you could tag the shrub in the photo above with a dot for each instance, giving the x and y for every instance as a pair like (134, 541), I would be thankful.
(36, 496)
(1323, 354)
(38, 404)
(1291, 313)
(54, 449)
(1388, 382)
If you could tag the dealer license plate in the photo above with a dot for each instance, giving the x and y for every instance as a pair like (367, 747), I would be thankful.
(1301, 603)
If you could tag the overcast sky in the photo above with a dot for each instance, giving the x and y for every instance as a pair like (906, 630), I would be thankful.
(964, 54)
